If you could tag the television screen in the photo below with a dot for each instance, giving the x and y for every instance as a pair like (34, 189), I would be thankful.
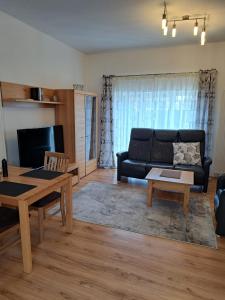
(34, 142)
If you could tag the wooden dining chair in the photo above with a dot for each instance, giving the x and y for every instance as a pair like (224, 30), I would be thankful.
(54, 161)
(9, 228)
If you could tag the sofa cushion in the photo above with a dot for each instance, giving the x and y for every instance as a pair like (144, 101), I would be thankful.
(149, 166)
(187, 153)
(162, 146)
(140, 144)
(191, 136)
(133, 168)
(199, 174)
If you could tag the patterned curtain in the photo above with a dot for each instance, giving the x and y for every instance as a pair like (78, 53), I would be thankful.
(106, 157)
(206, 105)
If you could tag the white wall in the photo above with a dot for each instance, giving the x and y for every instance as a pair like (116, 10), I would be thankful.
(30, 57)
(23, 117)
(161, 60)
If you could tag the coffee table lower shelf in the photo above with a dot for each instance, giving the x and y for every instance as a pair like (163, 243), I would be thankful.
(180, 185)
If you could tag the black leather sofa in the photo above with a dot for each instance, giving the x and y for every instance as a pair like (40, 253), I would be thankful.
(150, 148)
(219, 203)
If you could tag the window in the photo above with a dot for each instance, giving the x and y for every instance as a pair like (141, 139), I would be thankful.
(167, 101)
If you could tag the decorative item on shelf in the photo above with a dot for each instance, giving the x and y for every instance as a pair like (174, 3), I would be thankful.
(36, 94)
(55, 98)
(196, 18)
(78, 87)
(4, 168)
(46, 99)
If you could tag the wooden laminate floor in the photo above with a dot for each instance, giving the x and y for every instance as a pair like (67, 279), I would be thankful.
(101, 263)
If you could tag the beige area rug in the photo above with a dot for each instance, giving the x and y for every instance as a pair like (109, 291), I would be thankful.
(125, 208)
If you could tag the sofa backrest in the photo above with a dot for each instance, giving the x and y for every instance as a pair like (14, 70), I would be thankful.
(191, 136)
(162, 145)
(140, 144)
(151, 145)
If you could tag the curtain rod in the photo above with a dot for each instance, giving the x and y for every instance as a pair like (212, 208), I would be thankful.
(158, 74)
(153, 74)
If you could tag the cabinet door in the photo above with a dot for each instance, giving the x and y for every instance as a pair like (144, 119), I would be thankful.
(90, 133)
(2, 139)
(79, 111)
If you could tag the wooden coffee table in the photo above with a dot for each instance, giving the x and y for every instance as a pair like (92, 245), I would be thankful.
(181, 184)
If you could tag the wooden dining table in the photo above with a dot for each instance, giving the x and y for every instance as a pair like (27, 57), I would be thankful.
(42, 188)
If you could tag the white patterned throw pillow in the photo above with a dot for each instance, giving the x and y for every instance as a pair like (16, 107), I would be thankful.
(186, 153)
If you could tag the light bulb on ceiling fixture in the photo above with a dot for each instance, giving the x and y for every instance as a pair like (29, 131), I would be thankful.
(165, 30)
(164, 21)
(164, 17)
(203, 35)
(195, 32)
(174, 30)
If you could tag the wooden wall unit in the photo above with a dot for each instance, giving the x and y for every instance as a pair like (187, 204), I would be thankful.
(79, 117)
(2, 136)
(73, 116)
(64, 115)
(77, 111)
(13, 92)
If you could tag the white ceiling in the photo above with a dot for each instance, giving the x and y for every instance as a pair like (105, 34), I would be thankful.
(101, 25)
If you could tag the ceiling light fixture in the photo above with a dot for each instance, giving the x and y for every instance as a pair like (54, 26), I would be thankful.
(166, 21)
(203, 35)
(165, 29)
(164, 17)
(195, 32)
(174, 30)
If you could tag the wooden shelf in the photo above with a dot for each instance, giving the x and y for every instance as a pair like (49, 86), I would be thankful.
(18, 94)
(37, 102)
(32, 101)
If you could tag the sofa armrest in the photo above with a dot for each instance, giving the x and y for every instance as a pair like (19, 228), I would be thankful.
(206, 165)
(207, 162)
(219, 202)
(122, 155)
(220, 182)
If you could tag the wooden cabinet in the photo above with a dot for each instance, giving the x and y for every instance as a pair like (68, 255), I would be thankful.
(79, 116)
(90, 133)
(2, 138)
(64, 115)
(73, 169)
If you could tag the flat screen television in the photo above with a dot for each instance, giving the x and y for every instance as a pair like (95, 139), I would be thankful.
(33, 143)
